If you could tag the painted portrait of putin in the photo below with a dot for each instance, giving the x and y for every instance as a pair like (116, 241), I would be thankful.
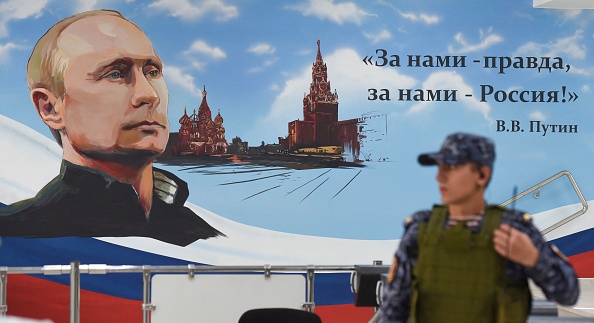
(97, 83)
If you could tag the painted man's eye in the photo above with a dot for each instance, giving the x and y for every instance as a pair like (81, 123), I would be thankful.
(153, 73)
(114, 75)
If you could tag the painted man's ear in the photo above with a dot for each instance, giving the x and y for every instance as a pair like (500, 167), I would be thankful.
(49, 107)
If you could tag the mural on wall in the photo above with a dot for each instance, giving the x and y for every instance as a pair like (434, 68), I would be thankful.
(281, 133)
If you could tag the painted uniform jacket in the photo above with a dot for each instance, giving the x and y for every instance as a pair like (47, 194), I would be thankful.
(552, 273)
(85, 202)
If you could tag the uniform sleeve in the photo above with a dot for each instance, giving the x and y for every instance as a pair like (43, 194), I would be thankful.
(552, 272)
(396, 299)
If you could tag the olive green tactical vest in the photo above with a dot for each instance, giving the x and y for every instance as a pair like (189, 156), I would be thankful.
(460, 278)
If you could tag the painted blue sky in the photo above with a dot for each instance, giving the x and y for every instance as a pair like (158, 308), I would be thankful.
(254, 58)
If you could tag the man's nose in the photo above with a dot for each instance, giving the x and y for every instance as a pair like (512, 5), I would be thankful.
(144, 92)
(440, 177)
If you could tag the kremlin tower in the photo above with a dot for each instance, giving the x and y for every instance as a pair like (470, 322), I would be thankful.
(320, 131)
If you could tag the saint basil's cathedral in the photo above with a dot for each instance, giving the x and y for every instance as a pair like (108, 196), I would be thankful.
(199, 134)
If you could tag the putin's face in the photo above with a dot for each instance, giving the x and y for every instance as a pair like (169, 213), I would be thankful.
(115, 103)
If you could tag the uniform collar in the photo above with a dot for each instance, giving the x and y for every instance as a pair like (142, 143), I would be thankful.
(166, 186)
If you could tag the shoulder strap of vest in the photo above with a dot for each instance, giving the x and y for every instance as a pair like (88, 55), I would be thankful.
(492, 218)
(438, 217)
(495, 206)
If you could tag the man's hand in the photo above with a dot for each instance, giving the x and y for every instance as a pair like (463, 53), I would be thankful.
(515, 245)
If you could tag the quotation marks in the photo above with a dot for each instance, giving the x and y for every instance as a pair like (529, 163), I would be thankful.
(572, 95)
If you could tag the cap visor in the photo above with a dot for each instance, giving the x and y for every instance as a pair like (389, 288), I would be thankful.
(428, 159)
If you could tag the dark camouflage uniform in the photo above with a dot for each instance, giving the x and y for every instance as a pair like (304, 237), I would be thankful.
(552, 273)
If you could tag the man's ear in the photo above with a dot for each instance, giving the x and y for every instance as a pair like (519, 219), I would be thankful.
(484, 175)
(49, 107)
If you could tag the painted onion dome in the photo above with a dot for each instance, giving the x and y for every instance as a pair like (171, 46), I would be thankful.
(218, 118)
(194, 116)
(184, 119)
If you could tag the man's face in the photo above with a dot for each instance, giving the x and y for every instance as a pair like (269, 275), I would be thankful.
(459, 184)
(116, 98)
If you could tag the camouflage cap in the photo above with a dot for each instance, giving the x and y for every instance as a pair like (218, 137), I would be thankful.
(460, 148)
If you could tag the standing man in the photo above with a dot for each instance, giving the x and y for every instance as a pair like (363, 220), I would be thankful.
(465, 260)
(97, 83)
